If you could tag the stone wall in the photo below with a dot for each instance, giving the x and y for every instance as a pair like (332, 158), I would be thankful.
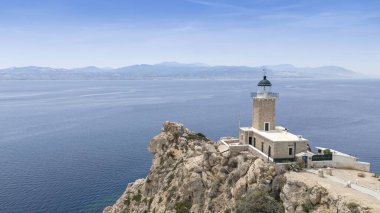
(236, 149)
(281, 149)
(264, 110)
(341, 162)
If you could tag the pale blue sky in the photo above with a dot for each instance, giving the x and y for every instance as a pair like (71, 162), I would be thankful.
(114, 33)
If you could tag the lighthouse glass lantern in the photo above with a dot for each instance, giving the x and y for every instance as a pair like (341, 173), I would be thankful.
(264, 89)
(264, 86)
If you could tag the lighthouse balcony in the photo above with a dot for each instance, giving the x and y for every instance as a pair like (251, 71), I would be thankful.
(264, 95)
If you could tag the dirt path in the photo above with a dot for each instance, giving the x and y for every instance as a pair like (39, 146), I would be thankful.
(336, 186)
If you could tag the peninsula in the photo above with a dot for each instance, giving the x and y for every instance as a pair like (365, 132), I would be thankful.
(265, 169)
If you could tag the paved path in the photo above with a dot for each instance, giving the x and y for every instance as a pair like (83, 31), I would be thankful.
(355, 186)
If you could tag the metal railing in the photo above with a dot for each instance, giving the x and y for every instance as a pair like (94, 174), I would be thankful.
(326, 157)
(264, 95)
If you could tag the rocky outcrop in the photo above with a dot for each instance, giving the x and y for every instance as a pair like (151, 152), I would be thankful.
(189, 173)
(298, 197)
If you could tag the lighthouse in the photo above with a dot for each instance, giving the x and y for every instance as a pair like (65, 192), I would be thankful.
(264, 106)
(264, 137)
(276, 144)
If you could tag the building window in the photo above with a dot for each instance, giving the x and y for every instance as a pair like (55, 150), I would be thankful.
(254, 141)
(262, 146)
(250, 140)
(266, 126)
(290, 151)
(269, 151)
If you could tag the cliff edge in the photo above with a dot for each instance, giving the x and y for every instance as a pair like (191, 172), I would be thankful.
(190, 173)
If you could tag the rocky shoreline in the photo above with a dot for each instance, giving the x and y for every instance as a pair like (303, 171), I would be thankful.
(189, 173)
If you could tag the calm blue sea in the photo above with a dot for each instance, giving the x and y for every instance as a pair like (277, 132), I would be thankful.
(72, 146)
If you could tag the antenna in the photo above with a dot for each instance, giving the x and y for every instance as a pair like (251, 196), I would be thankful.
(264, 71)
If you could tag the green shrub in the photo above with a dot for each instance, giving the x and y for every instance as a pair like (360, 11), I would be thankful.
(183, 206)
(127, 202)
(137, 198)
(196, 136)
(200, 135)
(297, 166)
(227, 211)
(327, 152)
(259, 201)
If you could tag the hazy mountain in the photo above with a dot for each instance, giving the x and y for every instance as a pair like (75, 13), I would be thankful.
(173, 70)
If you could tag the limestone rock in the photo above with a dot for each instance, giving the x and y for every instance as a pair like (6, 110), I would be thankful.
(173, 127)
(316, 194)
(209, 148)
(243, 168)
(191, 171)
(251, 174)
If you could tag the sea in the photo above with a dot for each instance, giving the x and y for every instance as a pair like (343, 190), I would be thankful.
(73, 146)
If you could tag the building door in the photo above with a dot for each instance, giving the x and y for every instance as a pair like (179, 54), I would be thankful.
(269, 151)
(266, 126)
(250, 140)
(304, 158)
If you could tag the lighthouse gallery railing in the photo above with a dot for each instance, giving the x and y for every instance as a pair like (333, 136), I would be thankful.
(264, 95)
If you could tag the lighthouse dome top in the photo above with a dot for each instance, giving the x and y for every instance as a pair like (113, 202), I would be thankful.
(265, 82)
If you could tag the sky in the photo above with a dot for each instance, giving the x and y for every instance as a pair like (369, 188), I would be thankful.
(116, 33)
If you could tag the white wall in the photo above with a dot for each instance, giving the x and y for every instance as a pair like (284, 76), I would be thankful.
(342, 162)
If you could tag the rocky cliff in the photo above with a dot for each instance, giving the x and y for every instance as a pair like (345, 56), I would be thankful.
(190, 173)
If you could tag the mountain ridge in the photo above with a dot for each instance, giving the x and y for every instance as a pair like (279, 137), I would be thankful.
(173, 70)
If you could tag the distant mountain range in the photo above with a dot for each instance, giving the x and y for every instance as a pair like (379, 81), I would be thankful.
(173, 70)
